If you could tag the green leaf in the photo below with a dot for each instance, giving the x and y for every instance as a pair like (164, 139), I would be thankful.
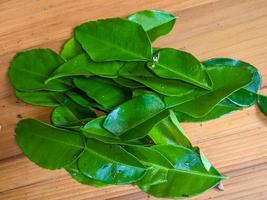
(262, 103)
(41, 98)
(245, 96)
(29, 70)
(128, 83)
(220, 110)
(71, 49)
(124, 40)
(225, 81)
(172, 101)
(180, 65)
(47, 146)
(157, 165)
(71, 114)
(169, 131)
(76, 173)
(94, 129)
(83, 65)
(132, 113)
(137, 71)
(110, 164)
(189, 170)
(155, 22)
(104, 91)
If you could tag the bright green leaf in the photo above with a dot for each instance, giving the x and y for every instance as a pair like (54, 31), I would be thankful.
(180, 65)
(29, 70)
(225, 81)
(71, 49)
(155, 22)
(114, 39)
(110, 164)
(47, 146)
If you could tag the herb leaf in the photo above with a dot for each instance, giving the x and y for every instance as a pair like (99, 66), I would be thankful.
(110, 164)
(176, 64)
(47, 146)
(155, 22)
(30, 69)
(117, 43)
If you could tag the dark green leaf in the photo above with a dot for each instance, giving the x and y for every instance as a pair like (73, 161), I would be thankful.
(79, 98)
(41, 98)
(114, 39)
(132, 113)
(71, 114)
(83, 65)
(47, 146)
(155, 22)
(169, 131)
(180, 65)
(137, 71)
(76, 173)
(110, 164)
(218, 111)
(262, 103)
(71, 49)
(225, 81)
(30, 69)
(245, 96)
(104, 91)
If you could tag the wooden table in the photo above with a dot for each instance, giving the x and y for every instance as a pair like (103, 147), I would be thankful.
(236, 144)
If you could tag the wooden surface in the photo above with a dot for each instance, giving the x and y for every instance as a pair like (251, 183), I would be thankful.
(236, 144)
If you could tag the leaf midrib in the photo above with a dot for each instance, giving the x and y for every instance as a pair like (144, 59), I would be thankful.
(56, 141)
(112, 161)
(182, 75)
(107, 43)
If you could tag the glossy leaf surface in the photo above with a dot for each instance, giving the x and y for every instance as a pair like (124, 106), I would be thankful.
(176, 64)
(47, 146)
(245, 96)
(137, 71)
(94, 129)
(110, 164)
(104, 91)
(83, 65)
(128, 115)
(169, 131)
(155, 22)
(157, 165)
(71, 49)
(30, 69)
(188, 171)
(116, 43)
(218, 111)
(225, 81)
(76, 173)
(41, 98)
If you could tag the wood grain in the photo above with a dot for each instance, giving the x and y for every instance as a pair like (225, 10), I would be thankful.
(236, 144)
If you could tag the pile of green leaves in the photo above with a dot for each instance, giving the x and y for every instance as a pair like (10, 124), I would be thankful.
(117, 103)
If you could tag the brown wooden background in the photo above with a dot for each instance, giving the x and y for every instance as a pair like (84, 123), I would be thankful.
(236, 144)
